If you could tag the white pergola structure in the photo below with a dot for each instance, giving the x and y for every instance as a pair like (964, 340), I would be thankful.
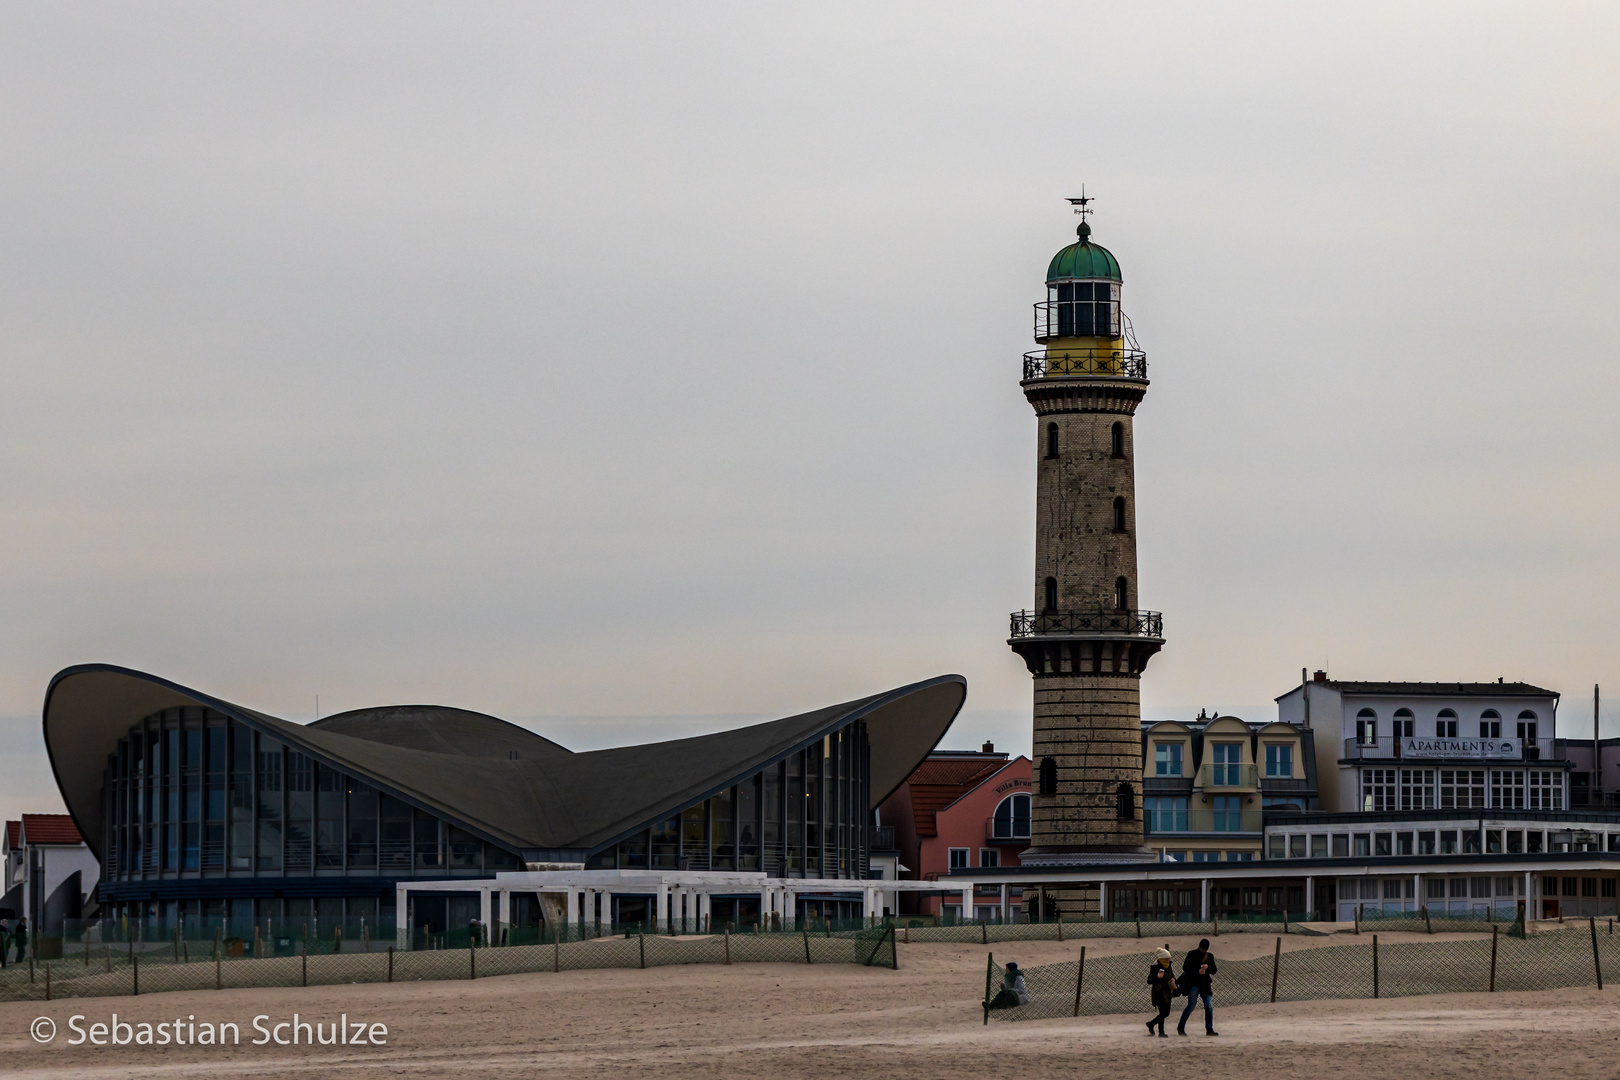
(682, 897)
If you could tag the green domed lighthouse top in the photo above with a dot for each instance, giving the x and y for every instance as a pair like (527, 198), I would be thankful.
(1083, 259)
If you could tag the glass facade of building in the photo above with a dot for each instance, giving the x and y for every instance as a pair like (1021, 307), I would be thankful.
(191, 796)
(803, 816)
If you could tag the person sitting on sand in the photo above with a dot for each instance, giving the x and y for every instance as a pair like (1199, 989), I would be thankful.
(1163, 984)
(1013, 992)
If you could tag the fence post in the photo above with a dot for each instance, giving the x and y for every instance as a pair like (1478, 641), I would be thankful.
(1060, 926)
(556, 954)
(1079, 980)
(805, 930)
(1276, 963)
(177, 944)
(47, 981)
(989, 971)
(1493, 959)
(390, 963)
(1285, 918)
(472, 958)
(1215, 922)
(1596, 966)
(1356, 913)
(218, 974)
(30, 971)
(1428, 927)
(984, 933)
(1139, 928)
(728, 945)
(134, 973)
(306, 961)
(1375, 967)
(643, 942)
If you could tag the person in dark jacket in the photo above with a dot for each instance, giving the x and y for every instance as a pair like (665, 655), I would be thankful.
(1163, 985)
(1196, 972)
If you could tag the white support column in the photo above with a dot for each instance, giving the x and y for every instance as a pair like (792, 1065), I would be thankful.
(1419, 901)
(967, 904)
(1532, 903)
(1203, 899)
(607, 910)
(705, 912)
(1003, 915)
(790, 913)
(1102, 901)
(765, 906)
(575, 917)
(402, 922)
(661, 911)
(483, 910)
(503, 914)
(1310, 898)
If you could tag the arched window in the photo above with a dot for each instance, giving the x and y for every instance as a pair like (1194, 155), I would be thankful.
(1048, 776)
(1011, 821)
(1122, 594)
(1490, 724)
(1366, 728)
(1051, 440)
(1445, 724)
(1119, 513)
(1117, 440)
(1527, 735)
(1050, 597)
(1125, 802)
(1404, 724)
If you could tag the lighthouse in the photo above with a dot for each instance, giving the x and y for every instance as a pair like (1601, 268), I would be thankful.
(1086, 640)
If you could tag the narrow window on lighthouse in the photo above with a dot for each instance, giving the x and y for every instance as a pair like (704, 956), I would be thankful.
(1119, 516)
(1048, 776)
(1125, 802)
(1051, 594)
(1122, 594)
(1051, 440)
(1118, 440)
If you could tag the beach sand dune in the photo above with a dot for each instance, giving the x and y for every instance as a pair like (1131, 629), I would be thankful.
(833, 1021)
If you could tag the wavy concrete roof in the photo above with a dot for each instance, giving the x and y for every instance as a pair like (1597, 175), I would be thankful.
(510, 784)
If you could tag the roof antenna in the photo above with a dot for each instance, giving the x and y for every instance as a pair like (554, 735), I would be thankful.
(1082, 206)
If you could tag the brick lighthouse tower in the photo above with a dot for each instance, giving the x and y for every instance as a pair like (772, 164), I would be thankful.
(1085, 642)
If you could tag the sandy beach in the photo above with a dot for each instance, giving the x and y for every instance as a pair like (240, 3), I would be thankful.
(923, 1021)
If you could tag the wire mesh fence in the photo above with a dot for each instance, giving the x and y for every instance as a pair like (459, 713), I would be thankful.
(1572, 956)
(134, 967)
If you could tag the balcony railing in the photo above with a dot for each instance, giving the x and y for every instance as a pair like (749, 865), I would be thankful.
(1205, 819)
(880, 838)
(1093, 363)
(1137, 623)
(1218, 775)
(1388, 748)
(1006, 828)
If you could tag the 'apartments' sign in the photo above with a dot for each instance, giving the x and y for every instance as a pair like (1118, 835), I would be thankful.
(1460, 748)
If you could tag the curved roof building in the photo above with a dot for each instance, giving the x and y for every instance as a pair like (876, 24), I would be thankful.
(205, 806)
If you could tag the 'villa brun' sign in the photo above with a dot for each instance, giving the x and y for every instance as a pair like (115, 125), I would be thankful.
(1460, 748)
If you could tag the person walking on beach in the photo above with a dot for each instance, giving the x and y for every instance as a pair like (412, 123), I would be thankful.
(20, 936)
(1163, 985)
(1196, 972)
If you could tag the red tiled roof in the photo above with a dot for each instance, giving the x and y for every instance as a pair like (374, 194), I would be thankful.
(50, 829)
(12, 829)
(938, 782)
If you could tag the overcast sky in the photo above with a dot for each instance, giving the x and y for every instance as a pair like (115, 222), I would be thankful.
(642, 369)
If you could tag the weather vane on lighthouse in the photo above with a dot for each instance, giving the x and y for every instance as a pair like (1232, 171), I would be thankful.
(1082, 206)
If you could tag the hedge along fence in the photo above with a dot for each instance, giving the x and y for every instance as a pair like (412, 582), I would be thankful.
(132, 972)
(1577, 955)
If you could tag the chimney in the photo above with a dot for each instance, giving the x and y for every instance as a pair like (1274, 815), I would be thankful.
(1319, 676)
(988, 748)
